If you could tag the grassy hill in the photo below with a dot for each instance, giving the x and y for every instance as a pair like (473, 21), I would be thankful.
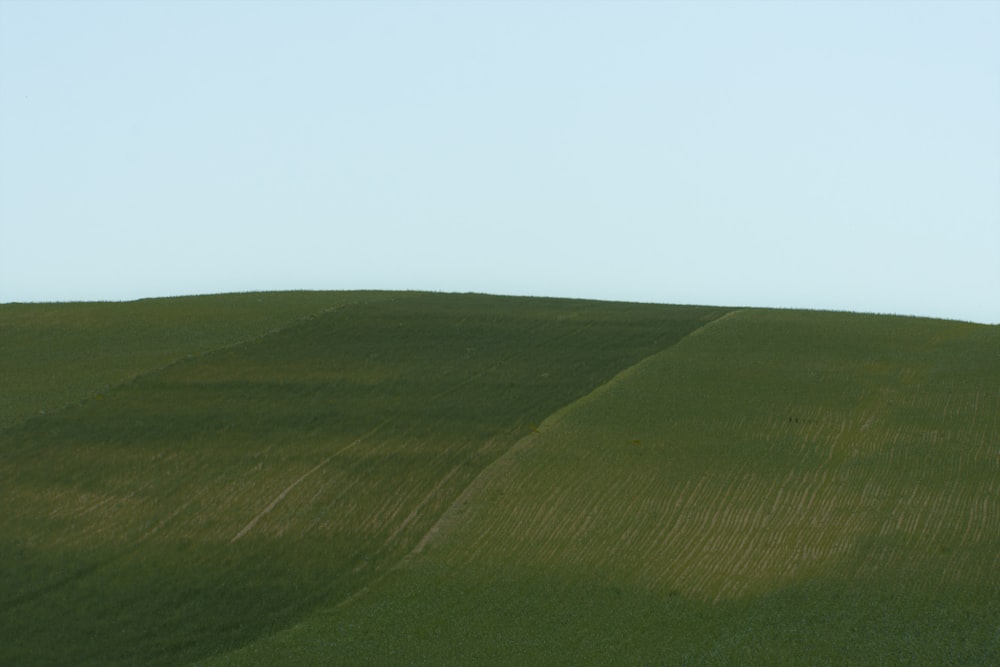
(220, 498)
(52, 355)
(462, 479)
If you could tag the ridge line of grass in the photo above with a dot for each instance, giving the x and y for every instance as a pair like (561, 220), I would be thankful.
(449, 382)
(498, 464)
(559, 414)
(690, 513)
(461, 499)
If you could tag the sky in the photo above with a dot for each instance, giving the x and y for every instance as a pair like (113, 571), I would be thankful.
(824, 155)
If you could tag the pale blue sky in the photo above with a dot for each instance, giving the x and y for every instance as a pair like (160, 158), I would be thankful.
(837, 155)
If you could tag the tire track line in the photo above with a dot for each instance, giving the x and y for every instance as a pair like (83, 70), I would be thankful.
(277, 499)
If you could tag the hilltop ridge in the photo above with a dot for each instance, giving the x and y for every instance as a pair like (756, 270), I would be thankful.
(429, 478)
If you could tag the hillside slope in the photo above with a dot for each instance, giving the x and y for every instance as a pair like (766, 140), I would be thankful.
(219, 499)
(777, 488)
(54, 354)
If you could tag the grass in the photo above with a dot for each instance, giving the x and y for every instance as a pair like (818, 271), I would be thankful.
(205, 503)
(776, 488)
(412, 478)
(52, 355)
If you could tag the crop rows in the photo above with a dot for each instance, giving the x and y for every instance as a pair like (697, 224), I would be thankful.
(852, 487)
(200, 506)
(842, 460)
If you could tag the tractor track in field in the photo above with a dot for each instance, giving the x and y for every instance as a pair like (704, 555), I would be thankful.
(427, 498)
(79, 574)
(452, 513)
(136, 543)
(278, 498)
(406, 532)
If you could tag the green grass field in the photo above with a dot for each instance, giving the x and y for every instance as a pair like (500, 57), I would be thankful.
(52, 355)
(462, 479)
(220, 498)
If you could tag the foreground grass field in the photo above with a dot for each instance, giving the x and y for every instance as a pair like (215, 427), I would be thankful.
(214, 496)
(408, 478)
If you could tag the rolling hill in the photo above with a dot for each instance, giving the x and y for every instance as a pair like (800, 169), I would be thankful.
(412, 478)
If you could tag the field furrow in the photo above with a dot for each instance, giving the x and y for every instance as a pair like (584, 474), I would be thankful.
(827, 472)
(218, 499)
(462, 479)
